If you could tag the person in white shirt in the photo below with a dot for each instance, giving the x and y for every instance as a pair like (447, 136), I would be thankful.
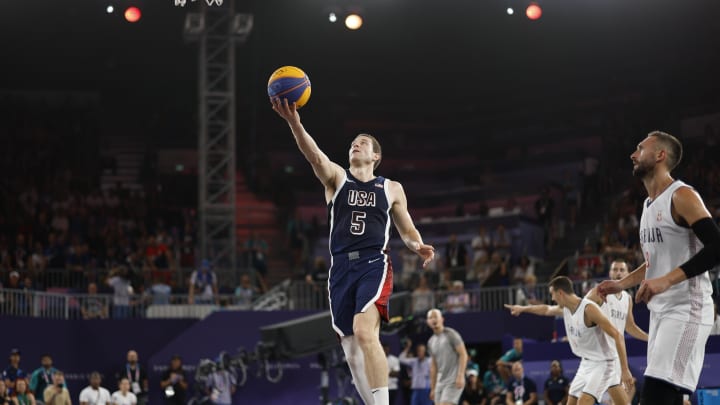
(94, 394)
(203, 285)
(123, 396)
(394, 372)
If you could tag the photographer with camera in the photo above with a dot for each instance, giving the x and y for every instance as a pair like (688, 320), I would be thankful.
(57, 394)
(222, 382)
(174, 382)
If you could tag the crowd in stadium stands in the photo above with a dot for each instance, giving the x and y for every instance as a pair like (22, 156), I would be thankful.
(129, 384)
(60, 231)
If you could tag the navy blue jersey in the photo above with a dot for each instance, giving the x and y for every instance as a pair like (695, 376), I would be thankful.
(359, 216)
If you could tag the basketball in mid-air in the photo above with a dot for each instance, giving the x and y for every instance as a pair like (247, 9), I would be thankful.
(291, 83)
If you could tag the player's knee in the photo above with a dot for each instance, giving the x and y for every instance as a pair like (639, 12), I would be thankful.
(365, 336)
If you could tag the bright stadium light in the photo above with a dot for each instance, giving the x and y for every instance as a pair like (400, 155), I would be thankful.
(353, 21)
(510, 11)
(133, 14)
(332, 17)
(533, 11)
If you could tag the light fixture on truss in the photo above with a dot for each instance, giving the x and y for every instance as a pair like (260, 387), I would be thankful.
(182, 3)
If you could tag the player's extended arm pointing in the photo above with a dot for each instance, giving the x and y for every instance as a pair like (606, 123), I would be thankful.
(405, 226)
(327, 172)
(541, 310)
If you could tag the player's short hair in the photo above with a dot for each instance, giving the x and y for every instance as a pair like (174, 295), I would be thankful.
(672, 146)
(620, 260)
(562, 283)
(376, 147)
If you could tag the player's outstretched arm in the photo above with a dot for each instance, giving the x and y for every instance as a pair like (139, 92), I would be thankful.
(405, 226)
(631, 327)
(595, 315)
(328, 172)
(690, 208)
(608, 287)
(542, 310)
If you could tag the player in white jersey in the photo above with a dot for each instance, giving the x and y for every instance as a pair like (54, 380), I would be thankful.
(618, 308)
(680, 243)
(586, 328)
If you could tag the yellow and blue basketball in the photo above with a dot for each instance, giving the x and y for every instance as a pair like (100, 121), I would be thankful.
(291, 83)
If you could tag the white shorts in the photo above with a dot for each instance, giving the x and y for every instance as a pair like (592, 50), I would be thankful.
(676, 351)
(594, 377)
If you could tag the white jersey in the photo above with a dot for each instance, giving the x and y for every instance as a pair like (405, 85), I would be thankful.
(586, 342)
(666, 245)
(616, 310)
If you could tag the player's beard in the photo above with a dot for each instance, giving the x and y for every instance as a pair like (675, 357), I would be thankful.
(642, 170)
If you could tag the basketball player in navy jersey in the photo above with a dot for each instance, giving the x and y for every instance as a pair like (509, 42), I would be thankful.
(360, 206)
(680, 243)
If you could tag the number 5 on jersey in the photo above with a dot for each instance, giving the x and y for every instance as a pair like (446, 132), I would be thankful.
(357, 223)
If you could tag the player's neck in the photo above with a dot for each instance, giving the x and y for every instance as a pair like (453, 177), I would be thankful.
(573, 302)
(362, 173)
(438, 330)
(656, 184)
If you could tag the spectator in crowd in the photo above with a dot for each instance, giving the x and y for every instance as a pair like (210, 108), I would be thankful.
(13, 372)
(257, 251)
(544, 207)
(481, 245)
(94, 394)
(123, 396)
(57, 394)
(119, 280)
(221, 386)
(420, 373)
(159, 292)
(393, 372)
(409, 266)
(527, 293)
(203, 285)
(423, 298)
(457, 300)
(93, 306)
(42, 376)
(136, 377)
(174, 382)
(4, 395)
(556, 386)
(245, 293)
(455, 257)
(521, 389)
(510, 357)
(317, 279)
(522, 270)
(22, 394)
(494, 385)
(502, 242)
(497, 274)
(474, 392)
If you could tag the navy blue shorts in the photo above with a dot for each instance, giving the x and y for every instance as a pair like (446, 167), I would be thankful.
(358, 280)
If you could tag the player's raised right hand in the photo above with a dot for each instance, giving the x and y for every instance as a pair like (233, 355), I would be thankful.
(286, 110)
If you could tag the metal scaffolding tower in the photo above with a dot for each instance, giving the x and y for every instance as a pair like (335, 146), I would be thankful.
(218, 30)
